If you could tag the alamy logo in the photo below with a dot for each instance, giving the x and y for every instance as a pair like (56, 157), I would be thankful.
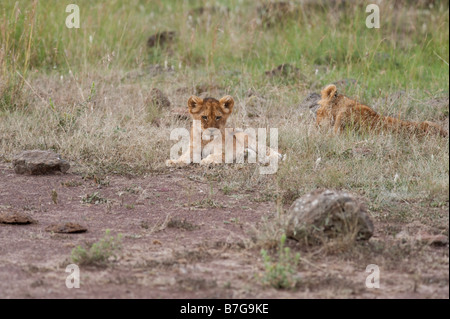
(73, 19)
(73, 280)
(373, 280)
(373, 19)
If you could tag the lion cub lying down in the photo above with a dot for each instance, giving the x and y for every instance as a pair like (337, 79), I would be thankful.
(212, 115)
(340, 112)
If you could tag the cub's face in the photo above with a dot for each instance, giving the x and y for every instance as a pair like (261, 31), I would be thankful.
(211, 113)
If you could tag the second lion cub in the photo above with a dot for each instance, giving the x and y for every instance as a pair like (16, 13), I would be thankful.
(339, 111)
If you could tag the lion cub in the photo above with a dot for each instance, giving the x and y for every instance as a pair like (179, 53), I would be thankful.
(340, 111)
(212, 115)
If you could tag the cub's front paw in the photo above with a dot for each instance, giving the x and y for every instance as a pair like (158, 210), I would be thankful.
(172, 163)
(206, 162)
(210, 161)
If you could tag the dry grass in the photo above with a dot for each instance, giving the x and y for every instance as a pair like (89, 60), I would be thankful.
(104, 128)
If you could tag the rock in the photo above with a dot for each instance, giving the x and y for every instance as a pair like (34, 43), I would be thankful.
(311, 103)
(323, 215)
(158, 98)
(67, 228)
(38, 162)
(161, 38)
(15, 218)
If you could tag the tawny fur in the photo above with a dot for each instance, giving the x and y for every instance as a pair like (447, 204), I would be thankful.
(341, 112)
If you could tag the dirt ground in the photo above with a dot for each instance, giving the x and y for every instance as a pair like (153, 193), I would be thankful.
(203, 253)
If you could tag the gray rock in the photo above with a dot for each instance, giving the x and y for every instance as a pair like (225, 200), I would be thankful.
(322, 215)
(311, 102)
(39, 162)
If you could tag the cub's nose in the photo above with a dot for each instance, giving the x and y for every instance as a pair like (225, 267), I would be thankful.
(213, 131)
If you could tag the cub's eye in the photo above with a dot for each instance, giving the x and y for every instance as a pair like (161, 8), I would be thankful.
(218, 118)
(205, 118)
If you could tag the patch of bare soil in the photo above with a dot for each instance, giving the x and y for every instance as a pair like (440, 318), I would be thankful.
(182, 239)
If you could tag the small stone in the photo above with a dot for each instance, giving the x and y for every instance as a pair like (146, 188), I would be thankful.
(15, 218)
(311, 102)
(67, 228)
(37, 162)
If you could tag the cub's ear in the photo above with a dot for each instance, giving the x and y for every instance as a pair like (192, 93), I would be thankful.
(226, 104)
(195, 104)
(329, 92)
